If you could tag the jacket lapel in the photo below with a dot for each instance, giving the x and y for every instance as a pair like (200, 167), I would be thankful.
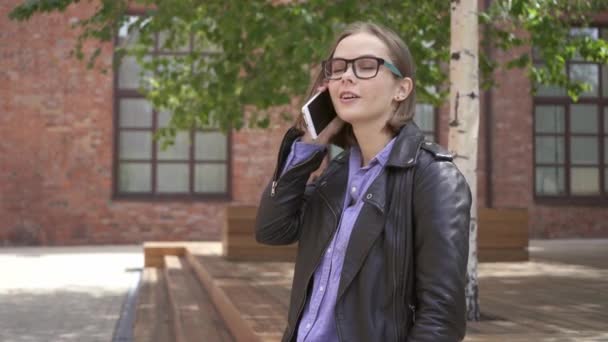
(368, 226)
(333, 186)
(371, 220)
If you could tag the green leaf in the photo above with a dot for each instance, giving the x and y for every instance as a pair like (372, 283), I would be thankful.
(256, 54)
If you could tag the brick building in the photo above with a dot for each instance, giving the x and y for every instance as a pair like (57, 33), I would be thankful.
(78, 164)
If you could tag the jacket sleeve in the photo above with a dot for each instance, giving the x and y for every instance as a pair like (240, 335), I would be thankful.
(300, 151)
(283, 202)
(442, 204)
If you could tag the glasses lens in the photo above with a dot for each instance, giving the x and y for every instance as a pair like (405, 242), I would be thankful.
(334, 68)
(366, 67)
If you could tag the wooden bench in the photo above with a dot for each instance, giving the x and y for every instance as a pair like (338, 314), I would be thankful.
(172, 305)
(502, 235)
(252, 297)
(238, 238)
(194, 315)
(152, 321)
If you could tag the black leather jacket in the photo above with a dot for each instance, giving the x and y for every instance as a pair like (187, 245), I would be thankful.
(404, 272)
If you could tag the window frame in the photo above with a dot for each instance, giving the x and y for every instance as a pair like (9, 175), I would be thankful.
(435, 132)
(601, 103)
(153, 195)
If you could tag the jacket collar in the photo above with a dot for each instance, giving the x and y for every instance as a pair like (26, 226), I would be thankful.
(404, 150)
(403, 155)
(406, 146)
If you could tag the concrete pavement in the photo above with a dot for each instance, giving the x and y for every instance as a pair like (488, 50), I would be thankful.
(65, 293)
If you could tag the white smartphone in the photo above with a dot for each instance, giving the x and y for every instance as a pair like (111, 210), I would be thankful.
(318, 113)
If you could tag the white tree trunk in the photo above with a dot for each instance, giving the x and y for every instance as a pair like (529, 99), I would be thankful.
(464, 120)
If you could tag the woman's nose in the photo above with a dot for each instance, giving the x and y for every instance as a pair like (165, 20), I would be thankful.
(349, 73)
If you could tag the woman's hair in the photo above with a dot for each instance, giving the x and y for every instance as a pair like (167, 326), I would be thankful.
(401, 58)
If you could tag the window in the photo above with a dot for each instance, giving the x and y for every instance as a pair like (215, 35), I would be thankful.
(196, 165)
(571, 139)
(425, 118)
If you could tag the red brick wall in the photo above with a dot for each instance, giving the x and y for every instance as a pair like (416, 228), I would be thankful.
(512, 139)
(566, 222)
(254, 155)
(513, 165)
(512, 161)
(56, 150)
(56, 153)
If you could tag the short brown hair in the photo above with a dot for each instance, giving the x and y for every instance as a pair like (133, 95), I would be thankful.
(401, 58)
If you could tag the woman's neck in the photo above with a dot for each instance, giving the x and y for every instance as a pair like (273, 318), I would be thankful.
(371, 140)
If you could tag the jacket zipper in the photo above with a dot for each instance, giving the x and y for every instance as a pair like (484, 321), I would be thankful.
(400, 295)
(413, 308)
(409, 252)
(407, 255)
(395, 287)
(276, 171)
(314, 268)
(275, 181)
(396, 322)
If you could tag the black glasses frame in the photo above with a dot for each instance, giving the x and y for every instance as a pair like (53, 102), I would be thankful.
(381, 61)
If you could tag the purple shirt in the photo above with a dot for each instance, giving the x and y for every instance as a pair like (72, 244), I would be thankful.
(318, 320)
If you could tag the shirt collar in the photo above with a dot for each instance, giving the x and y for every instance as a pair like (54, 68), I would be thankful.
(380, 158)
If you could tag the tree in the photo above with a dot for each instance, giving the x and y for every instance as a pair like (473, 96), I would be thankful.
(259, 53)
(464, 120)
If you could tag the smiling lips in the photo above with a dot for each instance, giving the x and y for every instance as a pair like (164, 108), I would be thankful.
(347, 96)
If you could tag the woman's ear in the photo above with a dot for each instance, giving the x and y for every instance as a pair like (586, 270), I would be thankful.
(404, 89)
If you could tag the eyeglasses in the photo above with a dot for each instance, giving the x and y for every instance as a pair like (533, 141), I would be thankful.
(365, 67)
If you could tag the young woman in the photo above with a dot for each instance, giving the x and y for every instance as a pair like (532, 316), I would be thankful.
(383, 232)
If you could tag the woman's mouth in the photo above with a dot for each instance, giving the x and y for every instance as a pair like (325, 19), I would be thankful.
(348, 97)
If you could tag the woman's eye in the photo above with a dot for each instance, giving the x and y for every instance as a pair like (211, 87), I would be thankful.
(366, 65)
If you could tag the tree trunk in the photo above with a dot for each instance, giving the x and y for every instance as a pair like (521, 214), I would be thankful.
(464, 121)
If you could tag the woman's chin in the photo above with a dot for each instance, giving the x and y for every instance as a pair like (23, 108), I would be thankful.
(351, 116)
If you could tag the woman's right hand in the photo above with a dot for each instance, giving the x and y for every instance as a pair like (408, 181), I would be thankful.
(328, 132)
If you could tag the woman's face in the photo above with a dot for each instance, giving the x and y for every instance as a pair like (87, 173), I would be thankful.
(364, 101)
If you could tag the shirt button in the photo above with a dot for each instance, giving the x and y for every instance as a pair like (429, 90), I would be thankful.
(308, 326)
(321, 289)
(353, 189)
(329, 249)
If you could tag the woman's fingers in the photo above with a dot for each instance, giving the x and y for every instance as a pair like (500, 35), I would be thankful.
(334, 126)
(332, 129)
(328, 132)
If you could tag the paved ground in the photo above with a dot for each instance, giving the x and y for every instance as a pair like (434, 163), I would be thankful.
(561, 294)
(57, 294)
(77, 293)
(590, 252)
